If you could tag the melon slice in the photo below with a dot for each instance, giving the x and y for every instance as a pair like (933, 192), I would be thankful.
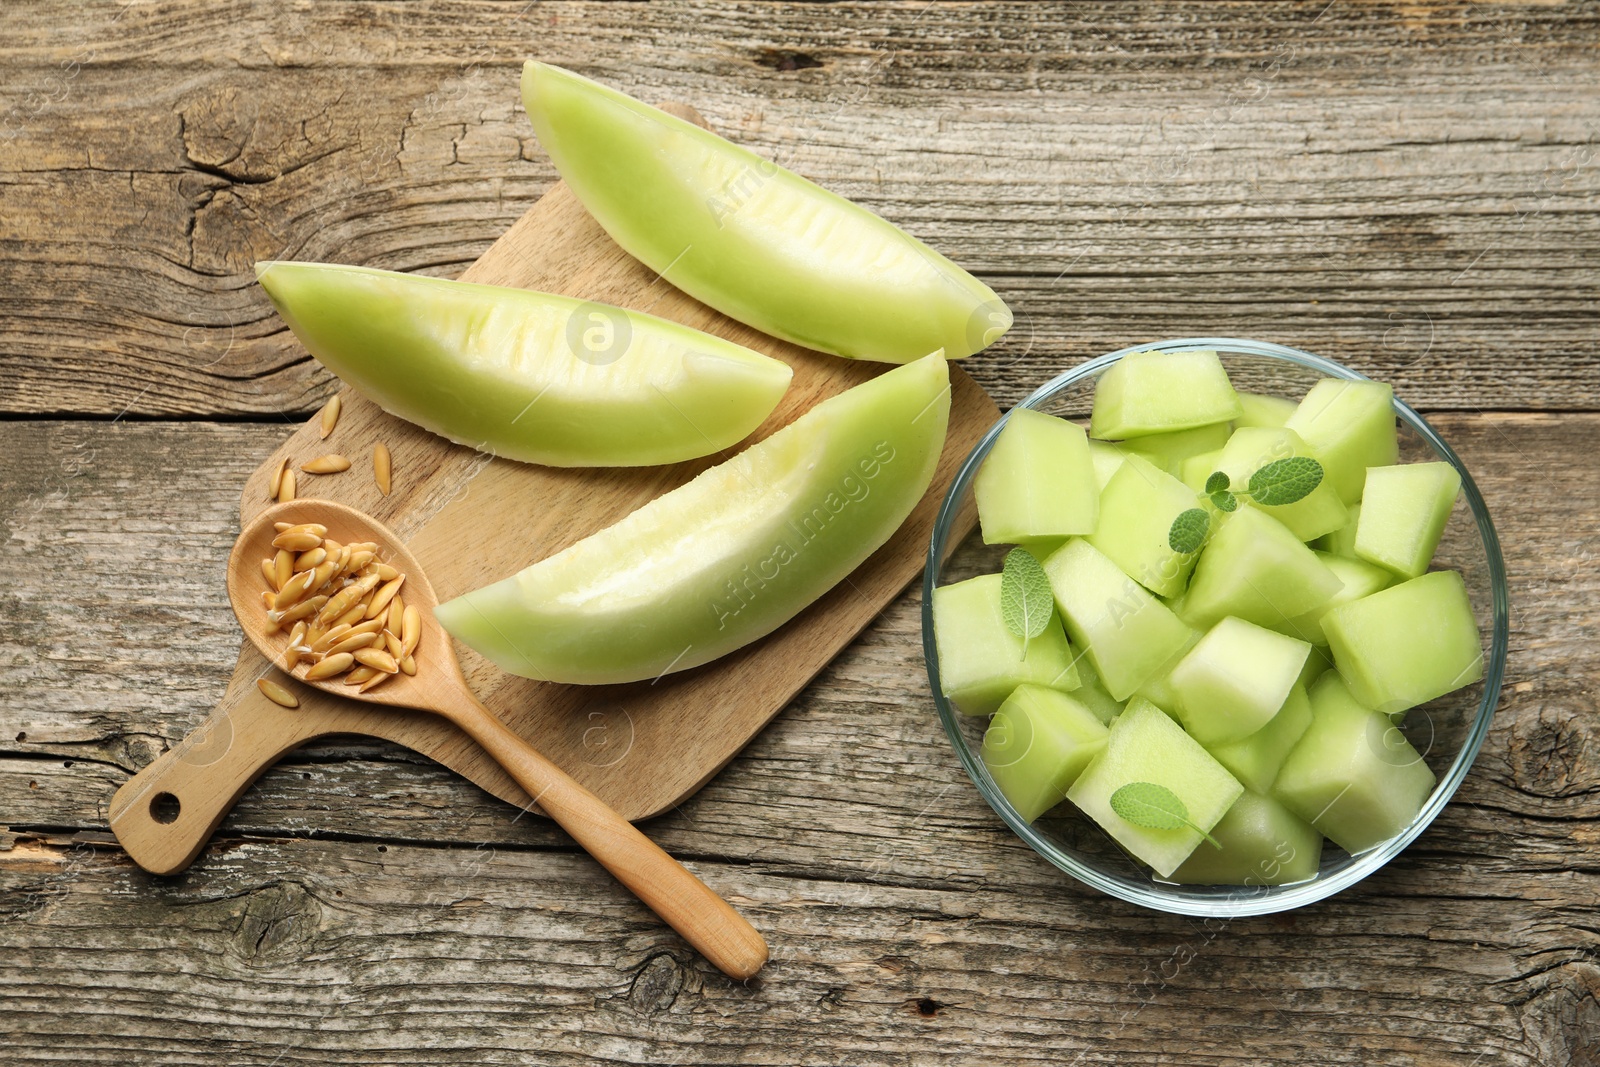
(1036, 746)
(1255, 760)
(1195, 470)
(1107, 459)
(1352, 775)
(1342, 542)
(980, 660)
(1263, 843)
(1124, 631)
(1092, 693)
(1259, 409)
(1360, 579)
(1037, 482)
(1170, 451)
(1235, 679)
(1157, 392)
(1350, 425)
(1136, 513)
(1404, 511)
(1157, 688)
(1253, 447)
(1146, 746)
(1255, 569)
(1406, 645)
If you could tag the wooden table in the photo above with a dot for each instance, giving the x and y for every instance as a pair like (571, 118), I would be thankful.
(1409, 189)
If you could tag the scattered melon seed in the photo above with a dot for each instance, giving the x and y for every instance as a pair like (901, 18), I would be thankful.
(382, 467)
(286, 486)
(332, 463)
(277, 693)
(330, 415)
(277, 478)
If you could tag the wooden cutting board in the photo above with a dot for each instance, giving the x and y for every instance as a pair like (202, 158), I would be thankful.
(642, 747)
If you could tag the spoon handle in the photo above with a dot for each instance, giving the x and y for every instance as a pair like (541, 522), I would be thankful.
(666, 886)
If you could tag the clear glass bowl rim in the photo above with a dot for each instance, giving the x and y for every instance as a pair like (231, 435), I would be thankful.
(1261, 900)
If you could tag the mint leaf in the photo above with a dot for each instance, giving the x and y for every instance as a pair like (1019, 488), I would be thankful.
(1154, 807)
(1026, 601)
(1188, 531)
(1283, 481)
(1225, 501)
(1218, 481)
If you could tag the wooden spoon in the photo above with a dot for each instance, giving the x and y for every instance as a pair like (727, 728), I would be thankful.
(704, 919)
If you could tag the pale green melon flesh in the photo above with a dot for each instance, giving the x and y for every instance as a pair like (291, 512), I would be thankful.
(1352, 775)
(1255, 569)
(1255, 760)
(1092, 694)
(1036, 746)
(1158, 392)
(1235, 679)
(1136, 513)
(1253, 447)
(980, 660)
(1170, 451)
(1350, 425)
(1263, 843)
(1258, 409)
(1157, 688)
(1406, 645)
(1107, 459)
(1342, 542)
(1124, 631)
(1404, 511)
(1195, 470)
(1146, 746)
(1037, 482)
(1360, 579)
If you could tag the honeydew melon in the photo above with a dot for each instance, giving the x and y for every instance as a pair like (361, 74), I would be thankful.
(1148, 393)
(1259, 409)
(1157, 688)
(1092, 694)
(1255, 569)
(1124, 631)
(1405, 509)
(1360, 579)
(1235, 679)
(1253, 447)
(1196, 470)
(980, 660)
(1263, 843)
(1144, 745)
(1136, 513)
(1170, 451)
(1352, 775)
(1037, 744)
(1342, 542)
(728, 557)
(1107, 459)
(1256, 759)
(1037, 482)
(1407, 644)
(1350, 426)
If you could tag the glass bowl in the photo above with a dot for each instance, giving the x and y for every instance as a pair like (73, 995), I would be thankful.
(1448, 731)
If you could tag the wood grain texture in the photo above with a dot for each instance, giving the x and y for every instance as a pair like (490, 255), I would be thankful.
(907, 925)
(1410, 189)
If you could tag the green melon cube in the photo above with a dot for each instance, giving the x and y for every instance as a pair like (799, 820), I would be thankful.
(1318, 663)
(1352, 775)
(1158, 392)
(1037, 482)
(1255, 760)
(1107, 459)
(1235, 679)
(1146, 746)
(1360, 579)
(1407, 644)
(1263, 843)
(1405, 509)
(1350, 425)
(1255, 569)
(1092, 694)
(1197, 469)
(980, 660)
(1136, 513)
(1124, 631)
(1157, 688)
(1342, 542)
(1036, 746)
(1253, 447)
(1258, 409)
(1170, 451)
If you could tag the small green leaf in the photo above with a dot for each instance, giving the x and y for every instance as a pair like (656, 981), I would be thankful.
(1218, 481)
(1154, 807)
(1188, 531)
(1026, 601)
(1283, 481)
(1225, 501)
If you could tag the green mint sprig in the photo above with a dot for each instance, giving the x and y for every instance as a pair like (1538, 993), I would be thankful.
(1026, 601)
(1155, 807)
(1283, 481)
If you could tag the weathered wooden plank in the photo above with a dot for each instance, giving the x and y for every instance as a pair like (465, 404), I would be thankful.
(907, 924)
(1408, 190)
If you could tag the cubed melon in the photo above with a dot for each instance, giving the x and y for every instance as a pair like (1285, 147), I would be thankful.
(1036, 746)
(1263, 843)
(1136, 513)
(1342, 542)
(1255, 569)
(1360, 579)
(1404, 511)
(1107, 460)
(1350, 425)
(1235, 679)
(1158, 392)
(1092, 693)
(1318, 662)
(1157, 688)
(1407, 644)
(1197, 470)
(1259, 409)
(1037, 482)
(1123, 630)
(1170, 451)
(1253, 447)
(1352, 775)
(980, 660)
(1146, 746)
(1255, 760)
